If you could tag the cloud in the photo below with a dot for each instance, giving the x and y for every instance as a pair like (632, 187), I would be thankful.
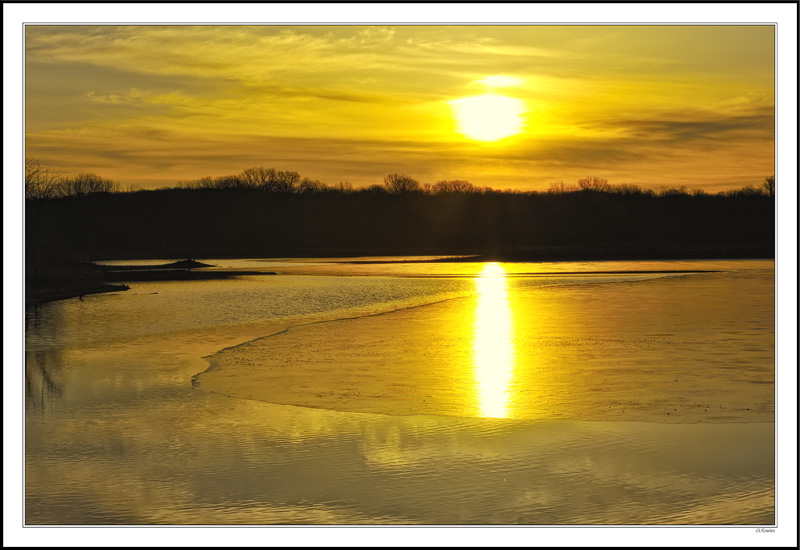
(718, 128)
(158, 103)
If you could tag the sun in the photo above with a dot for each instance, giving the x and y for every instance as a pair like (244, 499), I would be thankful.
(489, 117)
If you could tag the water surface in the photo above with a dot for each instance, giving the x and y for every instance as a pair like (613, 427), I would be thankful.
(408, 393)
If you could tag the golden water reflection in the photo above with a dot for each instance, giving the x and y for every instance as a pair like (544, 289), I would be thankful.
(493, 342)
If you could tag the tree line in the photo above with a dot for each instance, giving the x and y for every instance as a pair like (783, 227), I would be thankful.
(213, 223)
(270, 213)
(42, 182)
(276, 181)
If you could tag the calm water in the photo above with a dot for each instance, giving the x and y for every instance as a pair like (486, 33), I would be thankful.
(415, 393)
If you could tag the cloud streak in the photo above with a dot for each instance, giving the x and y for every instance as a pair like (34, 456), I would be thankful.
(151, 105)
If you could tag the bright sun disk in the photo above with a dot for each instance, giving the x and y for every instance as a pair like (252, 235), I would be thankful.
(488, 117)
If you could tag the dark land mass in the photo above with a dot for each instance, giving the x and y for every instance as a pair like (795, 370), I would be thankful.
(61, 281)
(42, 292)
(213, 223)
(182, 264)
(176, 275)
(181, 223)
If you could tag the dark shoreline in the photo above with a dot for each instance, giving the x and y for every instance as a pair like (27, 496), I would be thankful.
(609, 251)
(41, 293)
(78, 280)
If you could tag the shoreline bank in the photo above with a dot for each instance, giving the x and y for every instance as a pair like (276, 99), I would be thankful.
(81, 280)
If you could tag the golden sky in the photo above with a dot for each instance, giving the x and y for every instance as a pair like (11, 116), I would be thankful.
(513, 106)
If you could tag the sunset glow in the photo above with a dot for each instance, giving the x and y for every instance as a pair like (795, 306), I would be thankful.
(347, 264)
(505, 106)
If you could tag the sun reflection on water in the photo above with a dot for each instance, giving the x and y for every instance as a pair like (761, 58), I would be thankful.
(493, 344)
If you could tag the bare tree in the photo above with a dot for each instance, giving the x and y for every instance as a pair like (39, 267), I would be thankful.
(202, 183)
(453, 186)
(228, 182)
(85, 184)
(627, 189)
(592, 183)
(256, 178)
(269, 179)
(307, 185)
(748, 191)
(375, 189)
(41, 182)
(400, 183)
(560, 188)
(664, 191)
(769, 186)
(345, 187)
(285, 182)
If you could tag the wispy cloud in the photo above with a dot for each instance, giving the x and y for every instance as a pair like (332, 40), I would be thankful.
(155, 104)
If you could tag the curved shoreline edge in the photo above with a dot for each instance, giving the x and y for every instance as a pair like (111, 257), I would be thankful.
(215, 362)
(209, 358)
(76, 285)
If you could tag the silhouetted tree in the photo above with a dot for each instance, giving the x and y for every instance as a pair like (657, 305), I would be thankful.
(769, 186)
(41, 182)
(345, 187)
(285, 182)
(626, 189)
(257, 178)
(307, 185)
(559, 188)
(202, 183)
(593, 183)
(664, 191)
(400, 183)
(228, 182)
(86, 184)
(375, 190)
(453, 186)
(748, 191)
